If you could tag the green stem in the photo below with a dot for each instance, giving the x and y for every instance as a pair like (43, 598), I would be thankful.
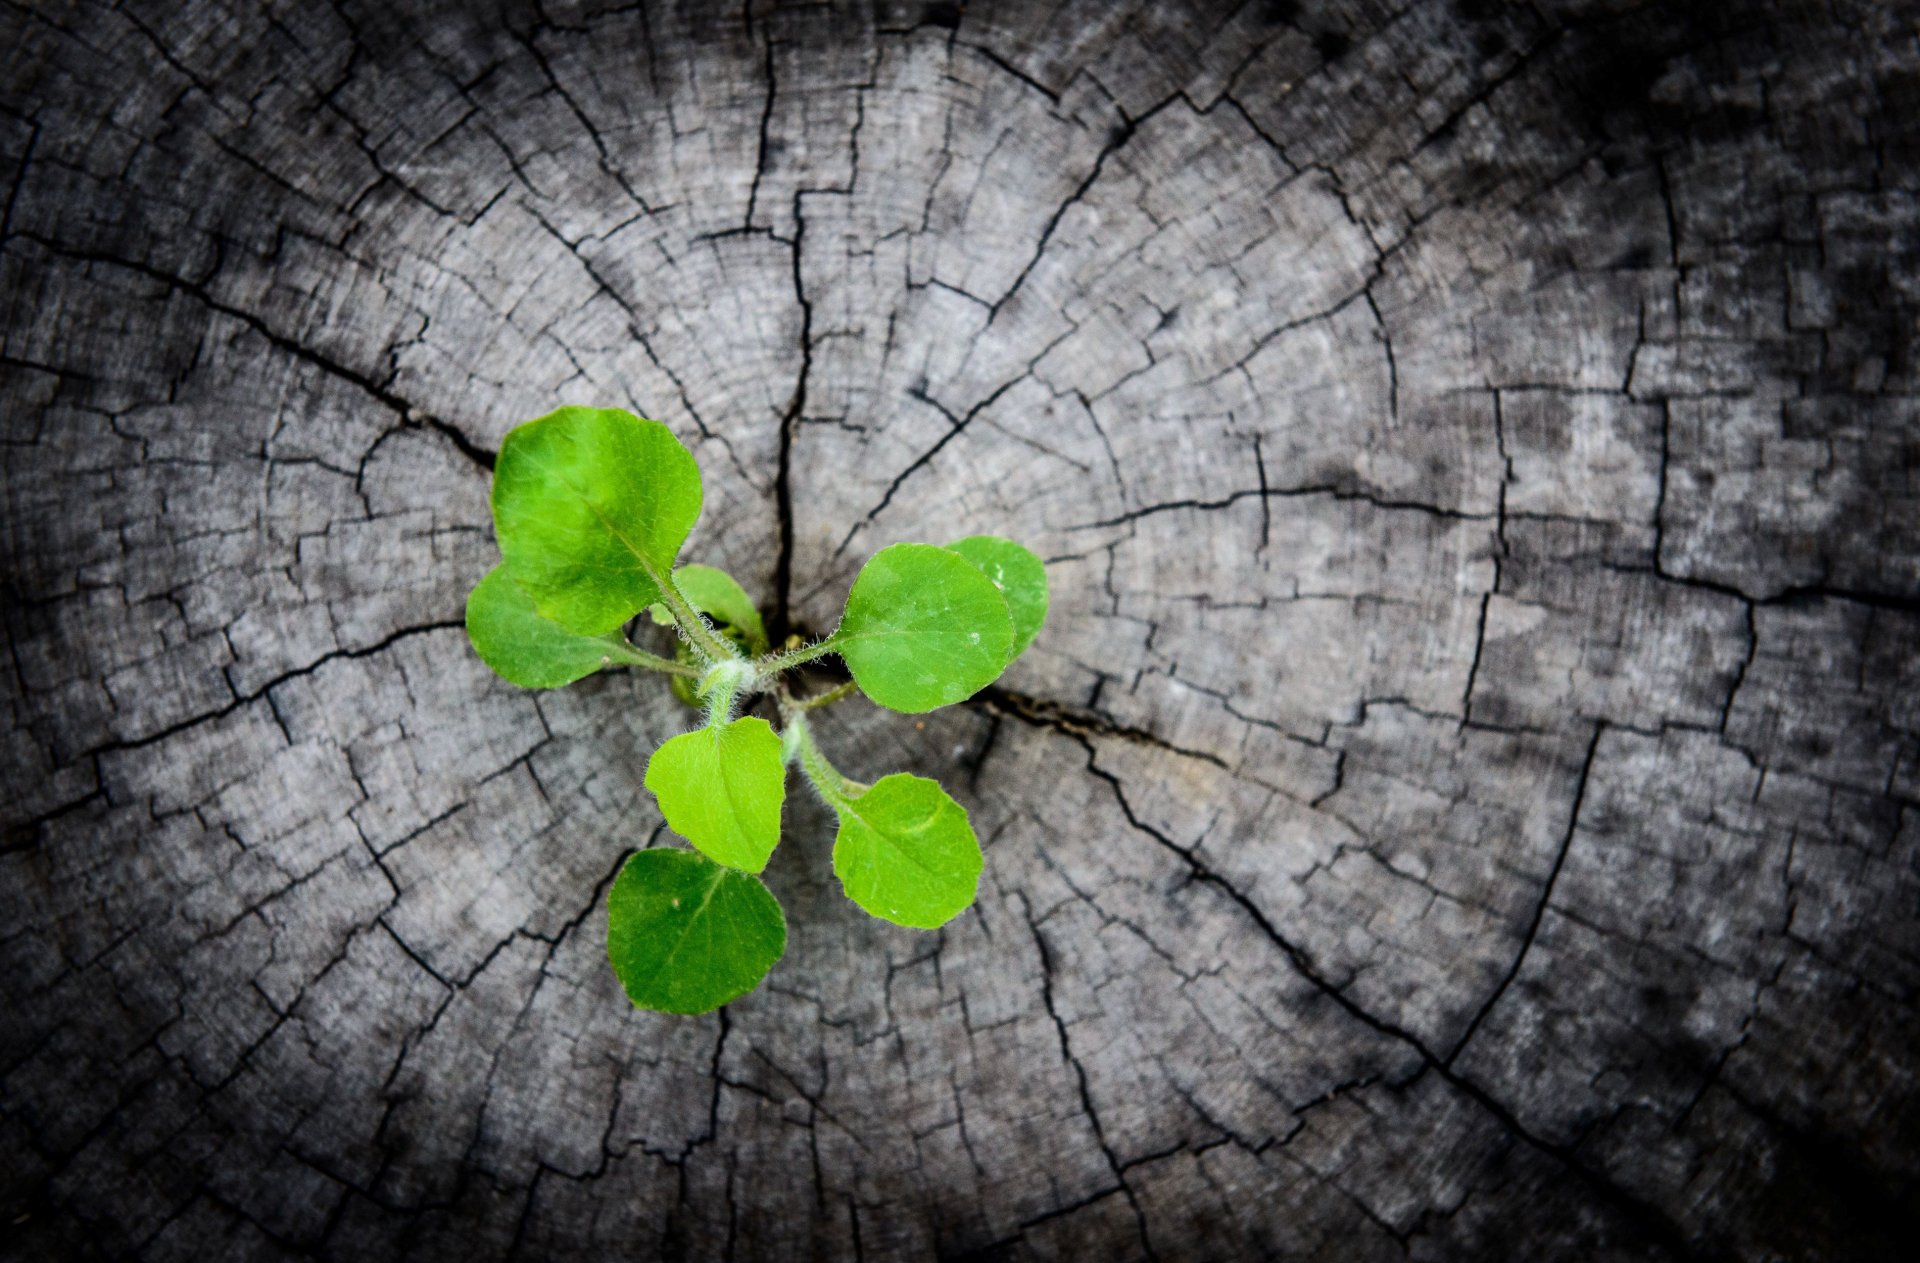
(720, 701)
(771, 666)
(721, 684)
(709, 643)
(835, 788)
(827, 698)
(626, 655)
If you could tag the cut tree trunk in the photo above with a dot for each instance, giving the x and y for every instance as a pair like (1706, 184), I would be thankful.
(1465, 803)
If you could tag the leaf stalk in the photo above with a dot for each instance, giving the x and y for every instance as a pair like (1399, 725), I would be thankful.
(707, 642)
(798, 744)
(623, 653)
(773, 665)
(828, 698)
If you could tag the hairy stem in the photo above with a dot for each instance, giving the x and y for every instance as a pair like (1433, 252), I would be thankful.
(799, 744)
(772, 666)
(710, 644)
(827, 698)
(624, 654)
(720, 686)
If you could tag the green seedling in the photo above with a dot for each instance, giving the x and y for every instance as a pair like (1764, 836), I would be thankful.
(592, 507)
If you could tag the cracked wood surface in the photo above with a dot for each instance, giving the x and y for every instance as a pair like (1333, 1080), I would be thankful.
(1463, 805)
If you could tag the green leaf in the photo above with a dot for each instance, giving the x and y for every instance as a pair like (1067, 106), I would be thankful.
(591, 506)
(924, 628)
(686, 935)
(1021, 578)
(721, 788)
(534, 652)
(906, 853)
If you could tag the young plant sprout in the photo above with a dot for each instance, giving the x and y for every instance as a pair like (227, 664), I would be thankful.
(591, 506)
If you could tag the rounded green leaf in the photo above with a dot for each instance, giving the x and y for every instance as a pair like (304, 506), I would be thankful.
(721, 788)
(924, 628)
(534, 652)
(1021, 578)
(591, 506)
(906, 853)
(686, 935)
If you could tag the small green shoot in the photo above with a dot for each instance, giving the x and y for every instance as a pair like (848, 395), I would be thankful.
(591, 507)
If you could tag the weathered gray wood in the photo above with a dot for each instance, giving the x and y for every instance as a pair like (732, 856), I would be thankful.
(1464, 804)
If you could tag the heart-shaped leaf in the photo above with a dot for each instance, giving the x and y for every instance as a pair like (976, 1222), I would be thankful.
(591, 506)
(1021, 578)
(721, 788)
(686, 935)
(924, 628)
(510, 636)
(906, 853)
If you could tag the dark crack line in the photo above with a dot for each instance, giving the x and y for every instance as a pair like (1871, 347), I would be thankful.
(19, 181)
(248, 699)
(1540, 906)
(1272, 142)
(782, 621)
(1039, 713)
(531, 44)
(955, 426)
(1445, 127)
(995, 59)
(1740, 676)
(1793, 594)
(645, 342)
(1386, 344)
(1115, 142)
(1660, 497)
(766, 122)
(1473, 669)
(1264, 493)
(720, 1082)
(1650, 1219)
(408, 412)
(1080, 1074)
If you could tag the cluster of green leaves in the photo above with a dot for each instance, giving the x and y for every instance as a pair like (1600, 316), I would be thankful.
(592, 506)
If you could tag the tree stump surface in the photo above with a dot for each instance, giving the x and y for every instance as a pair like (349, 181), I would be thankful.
(1465, 802)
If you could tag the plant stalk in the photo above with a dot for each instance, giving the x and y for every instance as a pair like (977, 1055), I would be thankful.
(772, 666)
(798, 740)
(624, 654)
(827, 698)
(707, 642)
(720, 686)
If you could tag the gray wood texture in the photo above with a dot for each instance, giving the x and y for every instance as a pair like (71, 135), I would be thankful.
(1466, 802)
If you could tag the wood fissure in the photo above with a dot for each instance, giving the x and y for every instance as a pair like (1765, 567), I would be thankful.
(1464, 802)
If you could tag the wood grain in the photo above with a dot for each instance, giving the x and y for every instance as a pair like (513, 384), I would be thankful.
(1465, 803)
